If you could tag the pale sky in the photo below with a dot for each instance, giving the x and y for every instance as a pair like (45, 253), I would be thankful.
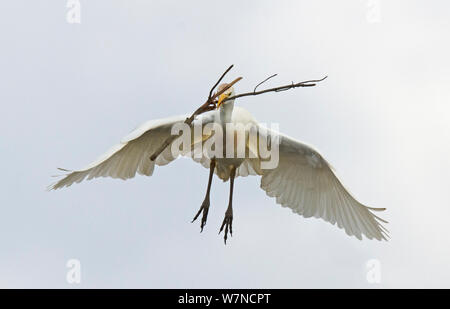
(71, 91)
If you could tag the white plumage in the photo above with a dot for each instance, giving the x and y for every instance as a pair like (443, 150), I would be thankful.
(303, 180)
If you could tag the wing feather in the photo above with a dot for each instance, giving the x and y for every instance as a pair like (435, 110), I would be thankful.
(132, 154)
(305, 182)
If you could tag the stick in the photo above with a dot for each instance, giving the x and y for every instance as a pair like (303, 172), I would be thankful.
(211, 102)
(264, 81)
(215, 85)
(209, 105)
(308, 83)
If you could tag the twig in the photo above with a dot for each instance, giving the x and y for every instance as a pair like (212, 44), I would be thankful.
(308, 83)
(215, 85)
(209, 105)
(264, 81)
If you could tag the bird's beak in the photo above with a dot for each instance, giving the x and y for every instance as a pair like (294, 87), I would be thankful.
(222, 98)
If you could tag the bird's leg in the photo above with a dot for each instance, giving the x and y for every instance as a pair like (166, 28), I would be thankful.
(205, 205)
(228, 220)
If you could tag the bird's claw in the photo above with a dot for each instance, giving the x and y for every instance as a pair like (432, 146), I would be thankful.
(204, 208)
(227, 223)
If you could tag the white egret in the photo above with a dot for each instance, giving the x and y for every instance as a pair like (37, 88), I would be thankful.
(303, 180)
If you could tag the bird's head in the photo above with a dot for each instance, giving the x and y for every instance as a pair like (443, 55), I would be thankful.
(222, 98)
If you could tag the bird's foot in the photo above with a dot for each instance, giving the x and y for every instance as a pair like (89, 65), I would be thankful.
(228, 224)
(204, 208)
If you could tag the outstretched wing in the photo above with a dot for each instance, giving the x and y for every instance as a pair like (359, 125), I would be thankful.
(132, 154)
(305, 182)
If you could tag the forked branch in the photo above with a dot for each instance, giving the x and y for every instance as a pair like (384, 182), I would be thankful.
(308, 83)
(211, 102)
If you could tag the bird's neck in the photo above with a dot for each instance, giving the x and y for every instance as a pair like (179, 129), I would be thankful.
(226, 110)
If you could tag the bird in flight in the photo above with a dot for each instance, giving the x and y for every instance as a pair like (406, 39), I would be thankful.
(301, 179)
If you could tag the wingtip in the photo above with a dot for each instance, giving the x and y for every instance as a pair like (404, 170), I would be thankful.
(376, 209)
(50, 187)
(64, 170)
